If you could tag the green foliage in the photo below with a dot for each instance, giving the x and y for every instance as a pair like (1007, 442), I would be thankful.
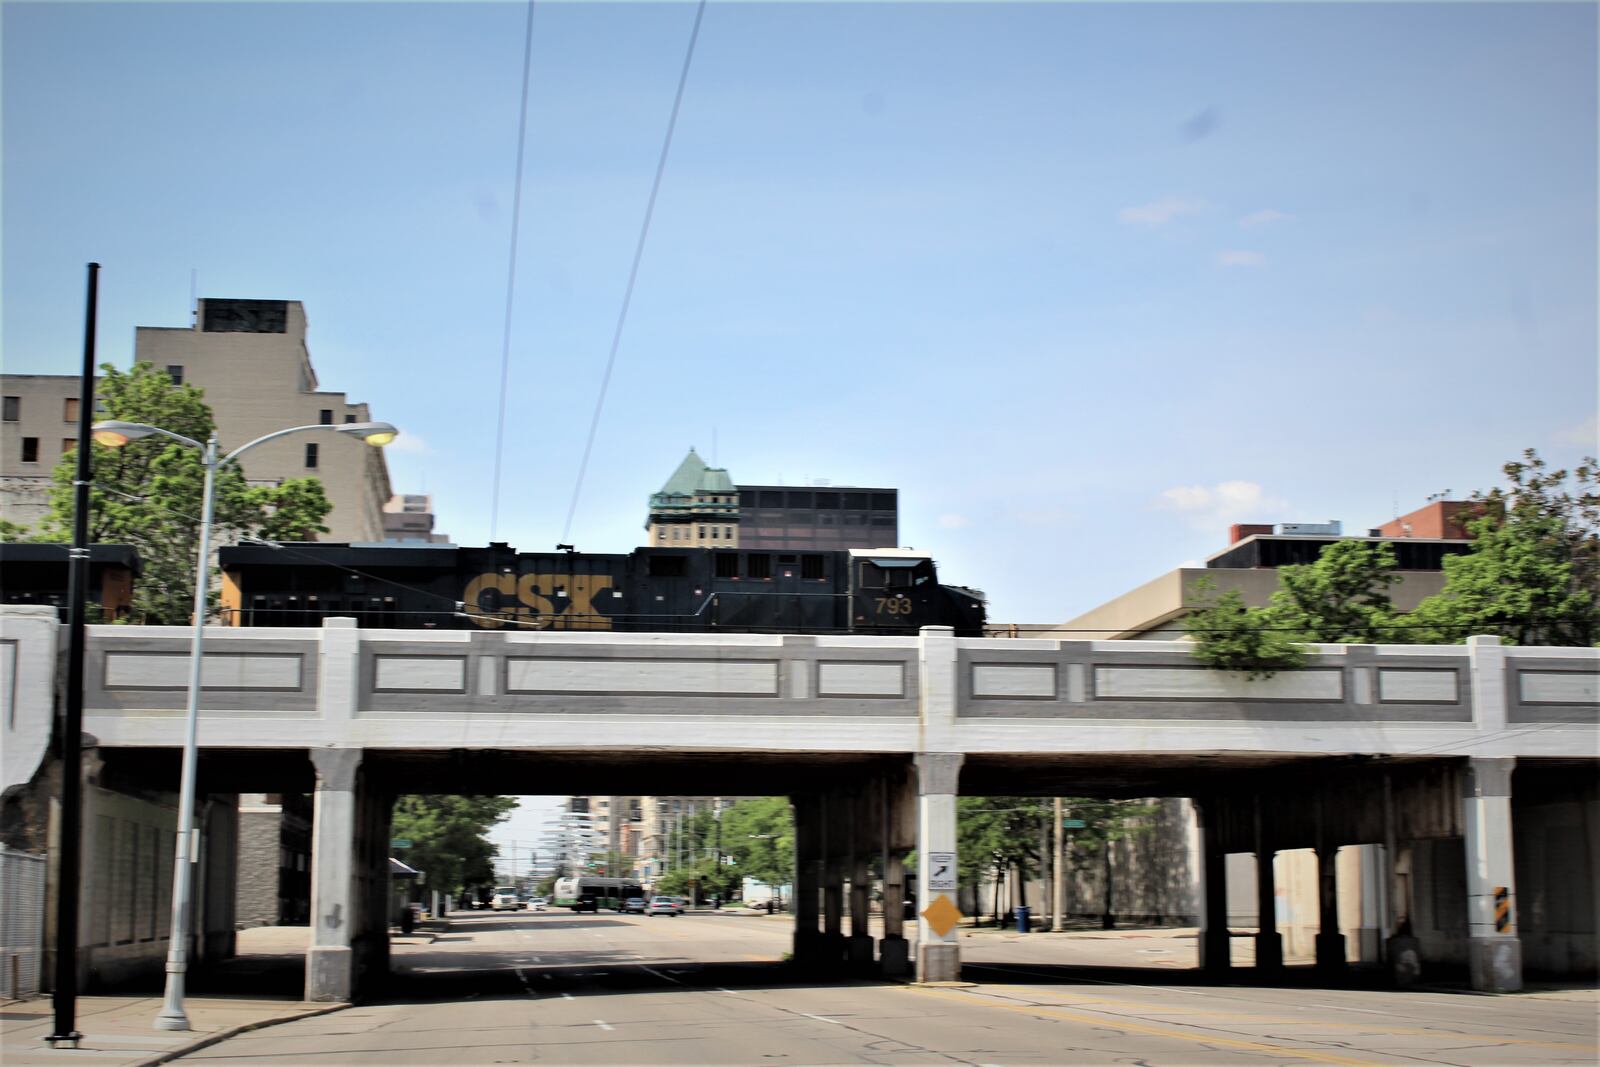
(11, 532)
(1105, 823)
(1342, 597)
(149, 493)
(1229, 636)
(448, 837)
(759, 835)
(999, 836)
(1533, 575)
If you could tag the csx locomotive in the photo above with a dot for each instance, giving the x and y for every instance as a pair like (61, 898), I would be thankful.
(413, 586)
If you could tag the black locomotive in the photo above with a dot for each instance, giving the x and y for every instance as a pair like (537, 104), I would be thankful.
(415, 586)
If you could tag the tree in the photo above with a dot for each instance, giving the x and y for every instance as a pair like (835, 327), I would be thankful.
(149, 493)
(448, 837)
(759, 835)
(1105, 822)
(1533, 574)
(1342, 597)
(998, 837)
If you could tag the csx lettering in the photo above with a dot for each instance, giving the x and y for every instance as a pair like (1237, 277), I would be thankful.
(536, 595)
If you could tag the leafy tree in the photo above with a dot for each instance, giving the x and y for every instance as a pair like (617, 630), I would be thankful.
(1105, 823)
(149, 493)
(998, 837)
(11, 532)
(1533, 574)
(759, 835)
(1341, 597)
(448, 837)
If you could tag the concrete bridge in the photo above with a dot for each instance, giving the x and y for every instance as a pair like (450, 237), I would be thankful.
(1488, 746)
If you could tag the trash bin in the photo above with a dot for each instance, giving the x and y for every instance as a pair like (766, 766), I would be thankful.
(1022, 914)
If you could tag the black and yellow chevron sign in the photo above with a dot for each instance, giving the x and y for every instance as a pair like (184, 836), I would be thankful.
(1502, 909)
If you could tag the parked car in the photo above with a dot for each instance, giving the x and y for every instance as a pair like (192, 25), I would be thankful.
(672, 906)
(633, 906)
(537, 903)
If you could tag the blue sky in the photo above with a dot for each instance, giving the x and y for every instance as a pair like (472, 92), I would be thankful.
(1086, 282)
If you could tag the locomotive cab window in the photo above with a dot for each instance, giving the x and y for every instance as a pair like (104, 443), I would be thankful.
(727, 564)
(758, 566)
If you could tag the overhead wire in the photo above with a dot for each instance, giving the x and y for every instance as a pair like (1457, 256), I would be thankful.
(633, 271)
(511, 278)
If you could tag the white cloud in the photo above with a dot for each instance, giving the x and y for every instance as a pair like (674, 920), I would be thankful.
(408, 443)
(1266, 216)
(953, 521)
(1216, 506)
(1585, 435)
(1240, 257)
(1160, 212)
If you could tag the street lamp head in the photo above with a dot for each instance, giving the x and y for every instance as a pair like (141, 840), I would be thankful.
(376, 434)
(115, 434)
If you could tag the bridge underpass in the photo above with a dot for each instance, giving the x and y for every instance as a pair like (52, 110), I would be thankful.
(875, 738)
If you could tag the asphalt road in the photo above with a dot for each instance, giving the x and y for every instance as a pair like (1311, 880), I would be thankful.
(557, 988)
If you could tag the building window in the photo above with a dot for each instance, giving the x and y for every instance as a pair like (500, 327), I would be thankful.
(311, 457)
(883, 501)
(68, 444)
(857, 501)
(175, 372)
(69, 410)
(714, 530)
(30, 450)
(702, 532)
(327, 417)
(13, 408)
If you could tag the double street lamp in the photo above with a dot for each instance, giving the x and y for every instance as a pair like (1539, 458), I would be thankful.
(116, 434)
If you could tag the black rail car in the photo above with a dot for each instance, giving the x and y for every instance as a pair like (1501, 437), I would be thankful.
(887, 591)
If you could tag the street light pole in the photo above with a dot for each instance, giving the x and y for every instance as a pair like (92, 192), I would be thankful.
(116, 434)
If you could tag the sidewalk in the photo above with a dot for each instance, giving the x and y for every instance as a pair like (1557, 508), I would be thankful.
(118, 1031)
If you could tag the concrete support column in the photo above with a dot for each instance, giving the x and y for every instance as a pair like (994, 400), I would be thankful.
(833, 845)
(1269, 943)
(898, 831)
(1494, 952)
(938, 777)
(1330, 942)
(807, 879)
(330, 960)
(863, 819)
(1215, 947)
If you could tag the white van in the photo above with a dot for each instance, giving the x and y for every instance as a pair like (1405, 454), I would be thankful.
(505, 898)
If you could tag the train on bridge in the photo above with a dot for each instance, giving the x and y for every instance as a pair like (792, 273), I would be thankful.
(692, 590)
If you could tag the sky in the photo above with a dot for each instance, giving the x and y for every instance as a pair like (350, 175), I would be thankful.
(1086, 282)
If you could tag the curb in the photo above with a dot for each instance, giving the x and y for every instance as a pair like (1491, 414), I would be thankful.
(234, 1031)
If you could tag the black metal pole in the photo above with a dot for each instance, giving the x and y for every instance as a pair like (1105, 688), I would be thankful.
(69, 838)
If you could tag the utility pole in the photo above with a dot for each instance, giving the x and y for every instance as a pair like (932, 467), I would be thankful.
(1058, 884)
(69, 850)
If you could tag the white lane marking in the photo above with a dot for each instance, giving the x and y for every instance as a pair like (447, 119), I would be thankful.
(538, 959)
(602, 1024)
(523, 978)
(658, 974)
(820, 1018)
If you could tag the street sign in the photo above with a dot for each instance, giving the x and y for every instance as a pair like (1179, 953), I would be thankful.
(400, 842)
(941, 872)
(1073, 824)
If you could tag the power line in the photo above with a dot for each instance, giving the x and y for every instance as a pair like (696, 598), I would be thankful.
(633, 272)
(511, 278)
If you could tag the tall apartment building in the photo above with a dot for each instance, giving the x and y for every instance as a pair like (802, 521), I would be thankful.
(38, 425)
(700, 507)
(409, 517)
(251, 359)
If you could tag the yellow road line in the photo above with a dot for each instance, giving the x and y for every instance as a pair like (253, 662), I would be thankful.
(1120, 1023)
(1268, 1020)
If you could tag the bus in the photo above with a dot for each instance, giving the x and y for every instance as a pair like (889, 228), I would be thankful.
(590, 893)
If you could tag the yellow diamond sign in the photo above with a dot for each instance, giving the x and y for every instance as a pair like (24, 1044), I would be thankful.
(941, 915)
